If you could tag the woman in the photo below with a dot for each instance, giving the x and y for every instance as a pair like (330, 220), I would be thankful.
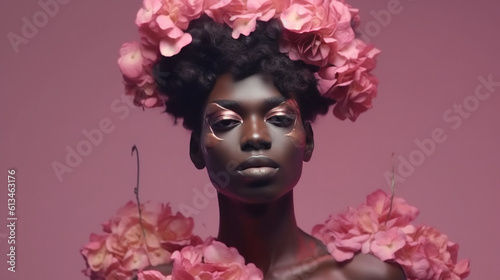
(248, 78)
(249, 108)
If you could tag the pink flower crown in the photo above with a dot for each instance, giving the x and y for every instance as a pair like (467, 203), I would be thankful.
(318, 32)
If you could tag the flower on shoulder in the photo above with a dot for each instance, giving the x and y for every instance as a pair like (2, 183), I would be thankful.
(212, 260)
(130, 243)
(386, 243)
(342, 234)
(152, 275)
(175, 228)
(401, 213)
(382, 227)
(100, 261)
(429, 254)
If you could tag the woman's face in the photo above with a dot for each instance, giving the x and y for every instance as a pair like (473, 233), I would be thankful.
(252, 141)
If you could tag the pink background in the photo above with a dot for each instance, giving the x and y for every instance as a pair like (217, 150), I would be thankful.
(65, 79)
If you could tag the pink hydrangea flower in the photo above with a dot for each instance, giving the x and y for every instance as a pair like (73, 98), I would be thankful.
(152, 275)
(98, 257)
(135, 62)
(316, 30)
(130, 244)
(147, 12)
(373, 228)
(212, 260)
(431, 255)
(162, 23)
(342, 234)
(401, 213)
(135, 259)
(386, 243)
(144, 95)
(351, 85)
(242, 15)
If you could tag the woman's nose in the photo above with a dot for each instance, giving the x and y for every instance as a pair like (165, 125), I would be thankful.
(255, 135)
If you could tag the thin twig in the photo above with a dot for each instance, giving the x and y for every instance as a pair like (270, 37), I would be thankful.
(136, 191)
(393, 187)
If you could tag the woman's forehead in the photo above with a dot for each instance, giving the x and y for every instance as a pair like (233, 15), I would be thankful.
(254, 89)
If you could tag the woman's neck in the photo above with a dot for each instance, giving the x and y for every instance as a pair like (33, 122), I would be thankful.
(264, 234)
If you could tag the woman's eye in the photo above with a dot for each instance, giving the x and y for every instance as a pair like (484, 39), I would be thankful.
(225, 124)
(281, 120)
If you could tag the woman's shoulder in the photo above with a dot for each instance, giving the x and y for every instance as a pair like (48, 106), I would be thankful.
(323, 266)
(365, 266)
(361, 267)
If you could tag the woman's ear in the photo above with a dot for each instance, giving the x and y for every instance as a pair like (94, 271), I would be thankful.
(309, 141)
(195, 152)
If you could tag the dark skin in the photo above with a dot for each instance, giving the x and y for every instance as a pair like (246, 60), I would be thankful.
(251, 119)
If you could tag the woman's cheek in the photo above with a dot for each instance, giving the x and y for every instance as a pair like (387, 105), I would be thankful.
(209, 140)
(297, 136)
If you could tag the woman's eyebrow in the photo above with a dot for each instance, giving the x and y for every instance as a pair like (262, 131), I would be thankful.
(228, 104)
(272, 102)
(267, 104)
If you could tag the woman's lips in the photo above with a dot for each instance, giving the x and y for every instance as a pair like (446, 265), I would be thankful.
(257, 161)
(264, 172)
(258, 167)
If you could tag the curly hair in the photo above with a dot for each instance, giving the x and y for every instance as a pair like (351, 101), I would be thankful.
(187, 78)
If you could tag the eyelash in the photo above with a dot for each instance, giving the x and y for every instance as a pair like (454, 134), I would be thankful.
(224, 124)
(276, 120)
(281, 120)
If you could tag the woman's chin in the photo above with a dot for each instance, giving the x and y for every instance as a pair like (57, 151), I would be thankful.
(256, 193)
